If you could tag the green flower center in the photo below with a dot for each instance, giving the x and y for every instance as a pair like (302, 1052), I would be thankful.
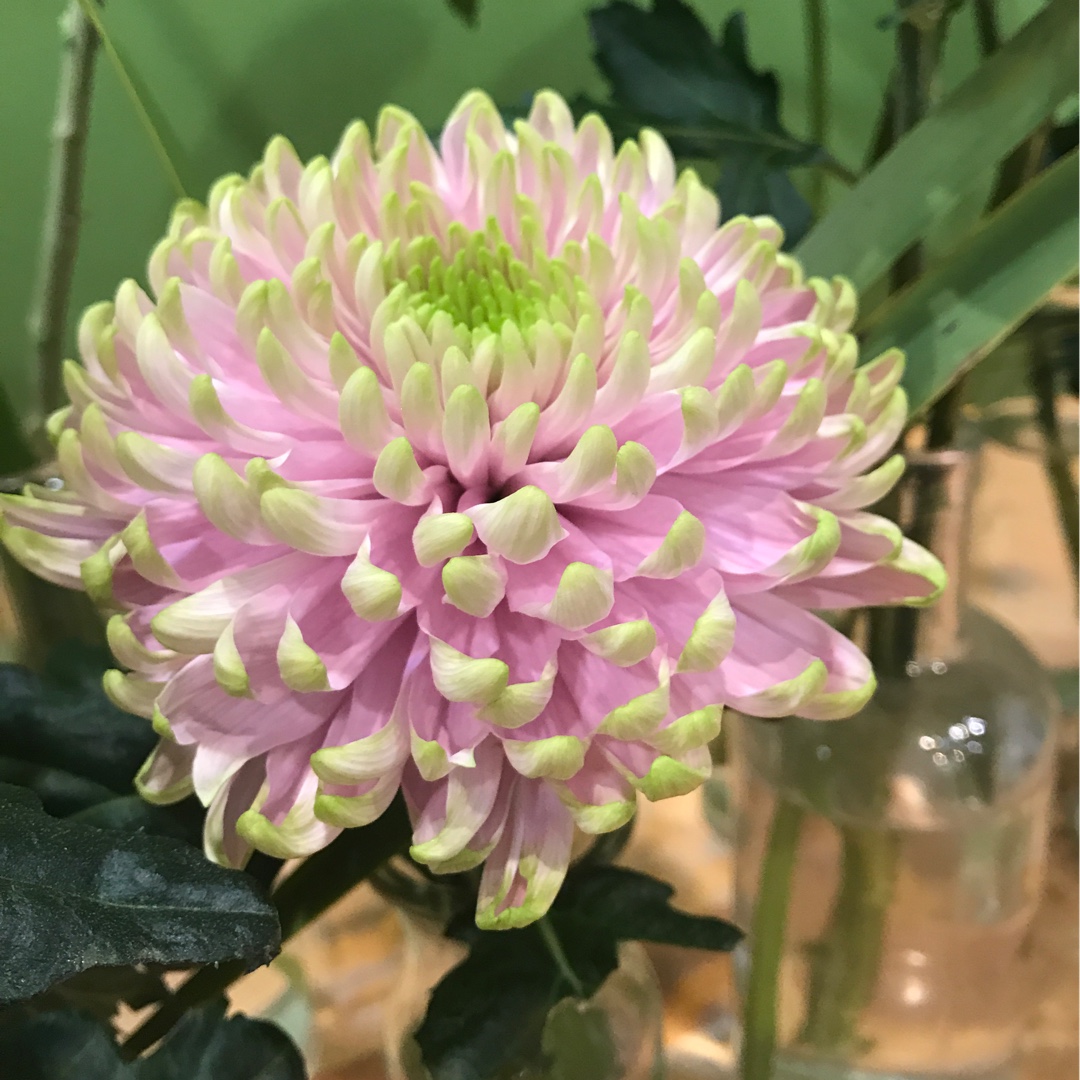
(476, 279)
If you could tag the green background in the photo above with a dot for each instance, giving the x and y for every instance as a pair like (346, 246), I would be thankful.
(227, 74)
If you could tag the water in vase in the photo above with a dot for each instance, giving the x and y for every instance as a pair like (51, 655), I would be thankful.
(944, 998)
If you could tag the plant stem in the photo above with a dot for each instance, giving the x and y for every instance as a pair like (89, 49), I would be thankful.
(60, 236)
(817, 58)
(767, 943)
(558, 954)
(1056, 459)
(839, 171)
(846, 958)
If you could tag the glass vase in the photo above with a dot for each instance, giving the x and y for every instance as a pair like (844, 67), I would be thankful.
(628, 1007)
(889, 865)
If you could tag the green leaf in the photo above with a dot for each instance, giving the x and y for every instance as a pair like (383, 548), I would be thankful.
(310, 889)
(130, 814)
(100, 991)
(1067, 684)
(955, 314)
(73, 897)
(578, 1041)
(204, 1046)
(68, 723)
(487, 1016)
(61, 793)
(666, 72)
(930, 170)
(631, 906)
(468, 11)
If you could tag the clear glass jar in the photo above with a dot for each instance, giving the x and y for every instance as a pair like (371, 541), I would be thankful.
(906, 847)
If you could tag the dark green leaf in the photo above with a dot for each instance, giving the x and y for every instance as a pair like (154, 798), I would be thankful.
(204, 1046)
(100, 992)
(130, 814)
(666, 72)
(466, 10)
(74, 897)
(310, 889)
(486, 1017)
(630, 906)
(68, 723)
(61, 1046)
(60, 792)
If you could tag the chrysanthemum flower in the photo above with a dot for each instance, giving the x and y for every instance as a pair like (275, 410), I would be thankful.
(486, 473)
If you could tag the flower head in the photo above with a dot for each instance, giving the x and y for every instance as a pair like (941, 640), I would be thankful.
(487, 473)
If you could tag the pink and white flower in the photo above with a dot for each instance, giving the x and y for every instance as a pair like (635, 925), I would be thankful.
(487, 473)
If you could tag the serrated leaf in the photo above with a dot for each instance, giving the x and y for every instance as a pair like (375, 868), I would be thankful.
(68, 723)
(486, 1017)
(203, 1046)
(666, 72)
(631, 906)
(73, 897)
(487, 1014)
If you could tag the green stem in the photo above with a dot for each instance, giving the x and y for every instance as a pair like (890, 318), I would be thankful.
(558, 954)
(818, 77)
(60, 235)
(1056, 459)
(767, 943)
(847, 956)
(839, 171)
